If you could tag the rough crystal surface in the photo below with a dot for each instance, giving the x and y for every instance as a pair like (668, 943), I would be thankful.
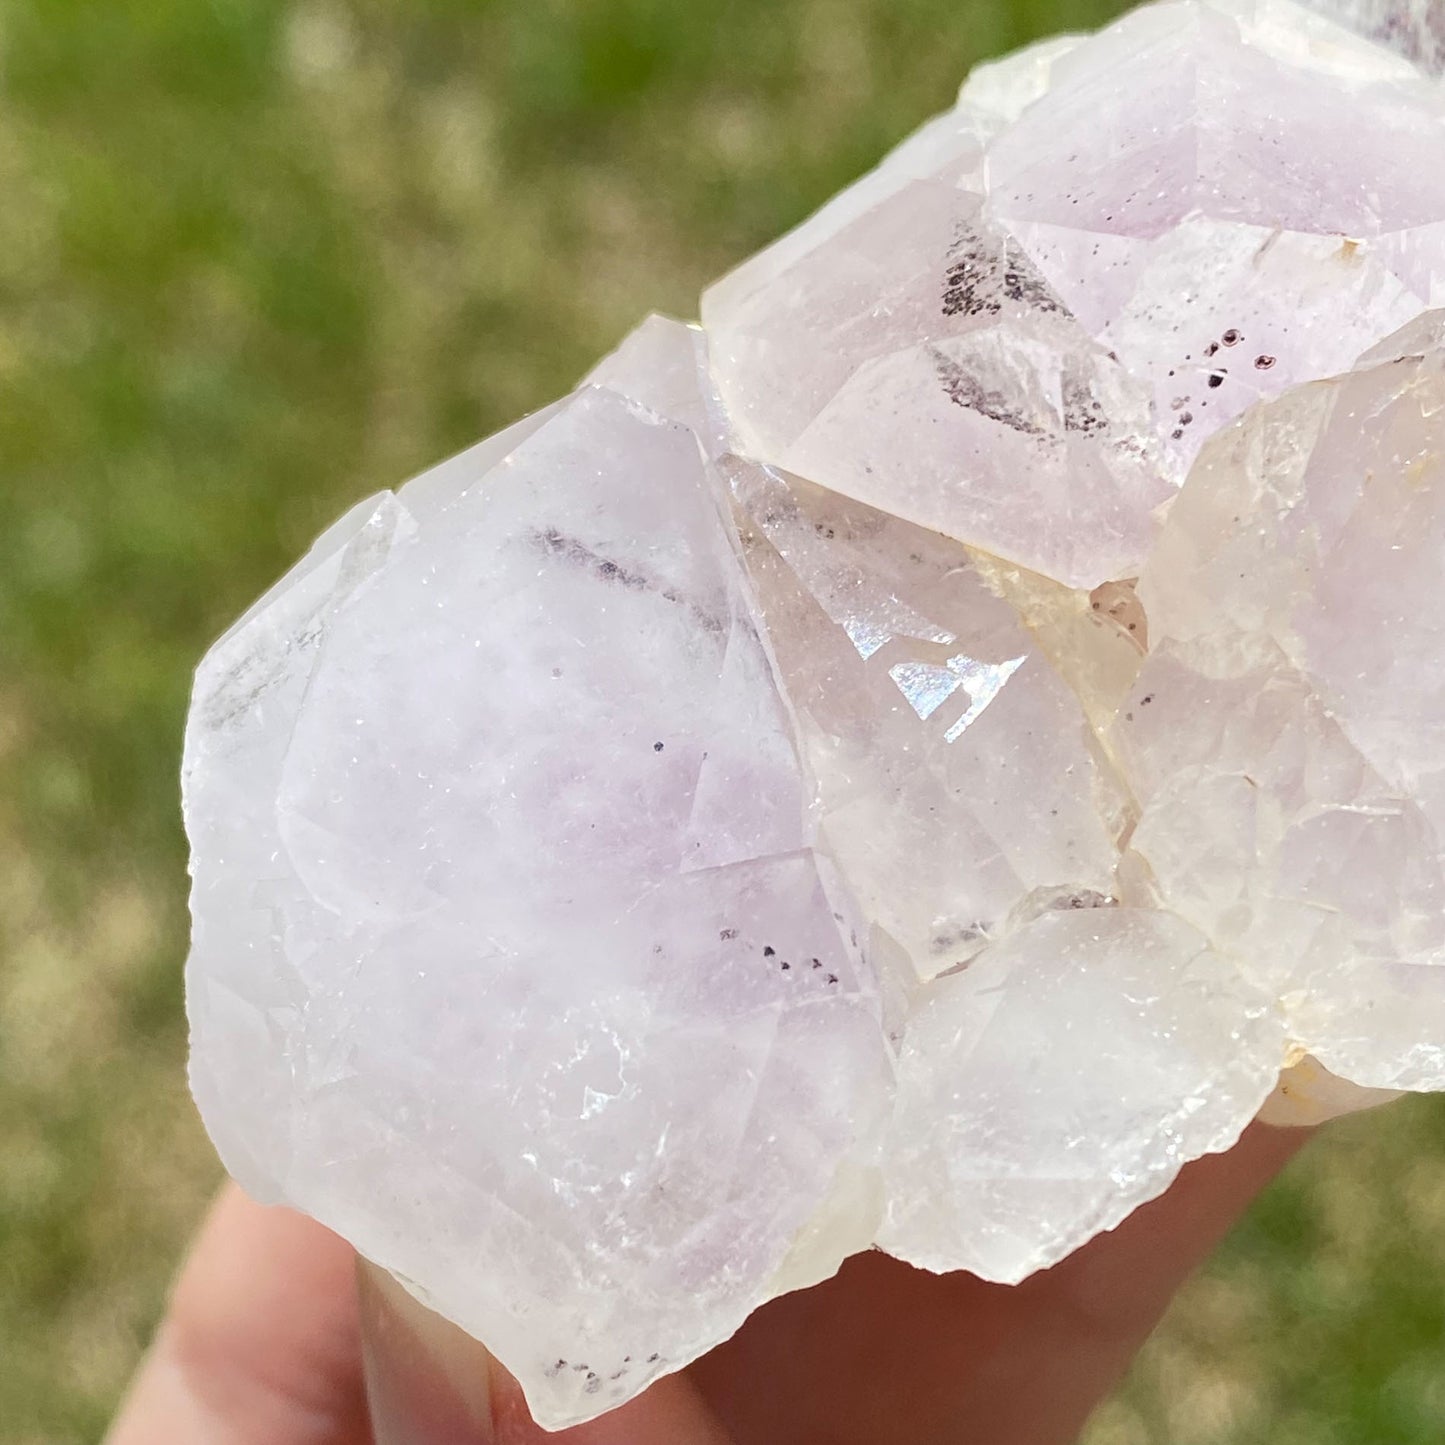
(1415, 28)
(502, 890)
(913, 762)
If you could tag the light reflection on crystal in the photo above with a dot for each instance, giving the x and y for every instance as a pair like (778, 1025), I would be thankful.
(983, 681)
(927, 686)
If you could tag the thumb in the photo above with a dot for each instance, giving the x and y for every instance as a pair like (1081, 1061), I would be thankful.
(429, 1383)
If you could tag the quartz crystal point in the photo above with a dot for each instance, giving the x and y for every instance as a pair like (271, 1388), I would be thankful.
(913, 762)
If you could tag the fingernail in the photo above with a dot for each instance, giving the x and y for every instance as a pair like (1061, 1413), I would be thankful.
(427, 1382)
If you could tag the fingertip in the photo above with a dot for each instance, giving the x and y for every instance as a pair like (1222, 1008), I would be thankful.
(260, 1342)
(430, 1383)
(427, 1382)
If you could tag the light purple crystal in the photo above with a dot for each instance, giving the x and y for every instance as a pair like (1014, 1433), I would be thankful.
(916, 761)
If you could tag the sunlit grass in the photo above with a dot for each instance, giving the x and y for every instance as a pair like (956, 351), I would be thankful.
(259, 259)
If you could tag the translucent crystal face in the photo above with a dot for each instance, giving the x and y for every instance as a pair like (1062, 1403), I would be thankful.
(911, 763)
(1415, 28)
(1022, 328)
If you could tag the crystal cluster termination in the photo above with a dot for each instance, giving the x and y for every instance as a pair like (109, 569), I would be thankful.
(909, 762)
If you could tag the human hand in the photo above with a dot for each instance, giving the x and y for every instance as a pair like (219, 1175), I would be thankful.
(274, 1338)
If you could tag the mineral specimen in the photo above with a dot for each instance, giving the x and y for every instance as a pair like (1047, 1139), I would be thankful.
(914, 761)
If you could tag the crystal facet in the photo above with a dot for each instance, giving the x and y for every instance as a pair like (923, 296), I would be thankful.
(914, 761)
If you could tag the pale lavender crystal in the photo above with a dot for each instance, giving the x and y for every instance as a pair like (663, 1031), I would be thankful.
(1416, 28)
(506, 918)
(1296, 714)
(1022, 331)
(913, 763)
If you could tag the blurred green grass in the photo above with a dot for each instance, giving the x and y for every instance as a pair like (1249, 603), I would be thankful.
(259, 259)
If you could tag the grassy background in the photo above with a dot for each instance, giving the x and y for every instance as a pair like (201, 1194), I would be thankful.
(259, 259)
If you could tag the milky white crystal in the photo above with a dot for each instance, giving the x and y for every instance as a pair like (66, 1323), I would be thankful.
(913, 762)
